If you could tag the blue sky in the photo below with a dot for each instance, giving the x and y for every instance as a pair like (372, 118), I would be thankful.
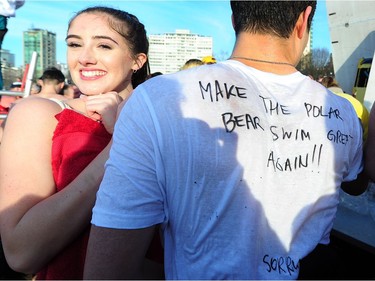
(208, 18)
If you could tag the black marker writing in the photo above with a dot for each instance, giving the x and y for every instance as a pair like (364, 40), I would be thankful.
(245, 120)
(296, 162)
(317, 111)
(338, 137)
(297, 134)
(280, 264)
(220, 92)
(274, 107)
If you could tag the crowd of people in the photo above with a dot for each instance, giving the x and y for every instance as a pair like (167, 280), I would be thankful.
(223, 170)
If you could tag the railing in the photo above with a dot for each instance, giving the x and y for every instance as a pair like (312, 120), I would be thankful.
(26, 82)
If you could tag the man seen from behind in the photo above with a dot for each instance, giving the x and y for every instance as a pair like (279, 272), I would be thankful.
(239, 162)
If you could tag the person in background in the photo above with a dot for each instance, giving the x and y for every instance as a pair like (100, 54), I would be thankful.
(50, 85)
(331, 84)
(191, 63)
(68, 91)
(231, 160)
(6, 102)
(35, 89)
(209, 60)
(50, 175)
(52, 82)
(7, 9)
(71, 91)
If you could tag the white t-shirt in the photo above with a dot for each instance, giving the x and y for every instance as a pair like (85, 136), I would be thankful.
(240, 167)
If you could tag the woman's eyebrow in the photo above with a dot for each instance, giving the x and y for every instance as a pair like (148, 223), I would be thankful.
(72, 36)
(105, 37)
(94, 37)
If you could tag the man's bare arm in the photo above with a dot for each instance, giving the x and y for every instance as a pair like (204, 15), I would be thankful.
(116, 253)
(358, 186)
(370, 146)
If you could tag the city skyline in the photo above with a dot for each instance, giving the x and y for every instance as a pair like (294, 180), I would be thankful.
(207, 18)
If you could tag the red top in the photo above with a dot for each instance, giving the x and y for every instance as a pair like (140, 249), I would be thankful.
(77, 140)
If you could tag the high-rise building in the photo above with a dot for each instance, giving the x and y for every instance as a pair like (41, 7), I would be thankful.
(309, 44)
(168, 52)
(44, 43)
(8, 69)
(7, 58)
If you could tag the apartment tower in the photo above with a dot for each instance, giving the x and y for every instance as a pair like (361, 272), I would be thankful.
(44, 43)
(169, 51)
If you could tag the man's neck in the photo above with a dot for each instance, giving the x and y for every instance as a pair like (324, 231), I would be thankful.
(49, 93)
(266, 53)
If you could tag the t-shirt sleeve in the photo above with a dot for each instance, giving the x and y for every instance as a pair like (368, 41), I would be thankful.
(130, 195)
(356, 159)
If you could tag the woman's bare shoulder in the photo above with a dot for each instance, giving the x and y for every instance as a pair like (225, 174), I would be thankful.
(33, 113)
(35, 106)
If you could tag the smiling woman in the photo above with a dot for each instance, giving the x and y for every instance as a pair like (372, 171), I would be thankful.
(91, 55)
(51, 203)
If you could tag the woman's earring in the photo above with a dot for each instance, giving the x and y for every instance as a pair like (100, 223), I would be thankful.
(135, 71)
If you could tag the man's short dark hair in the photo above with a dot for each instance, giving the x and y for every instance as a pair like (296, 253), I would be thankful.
(52, 73)
(269, 17)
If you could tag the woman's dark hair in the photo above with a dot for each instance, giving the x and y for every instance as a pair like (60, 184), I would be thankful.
(129, 27)
(272, 17)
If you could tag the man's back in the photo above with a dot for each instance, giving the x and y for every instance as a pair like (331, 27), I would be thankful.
(239, 162)
(240, 158)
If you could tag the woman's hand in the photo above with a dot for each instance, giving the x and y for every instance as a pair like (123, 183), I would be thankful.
(103, 108)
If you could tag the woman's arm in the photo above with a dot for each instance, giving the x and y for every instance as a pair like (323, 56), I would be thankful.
(35, 222)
